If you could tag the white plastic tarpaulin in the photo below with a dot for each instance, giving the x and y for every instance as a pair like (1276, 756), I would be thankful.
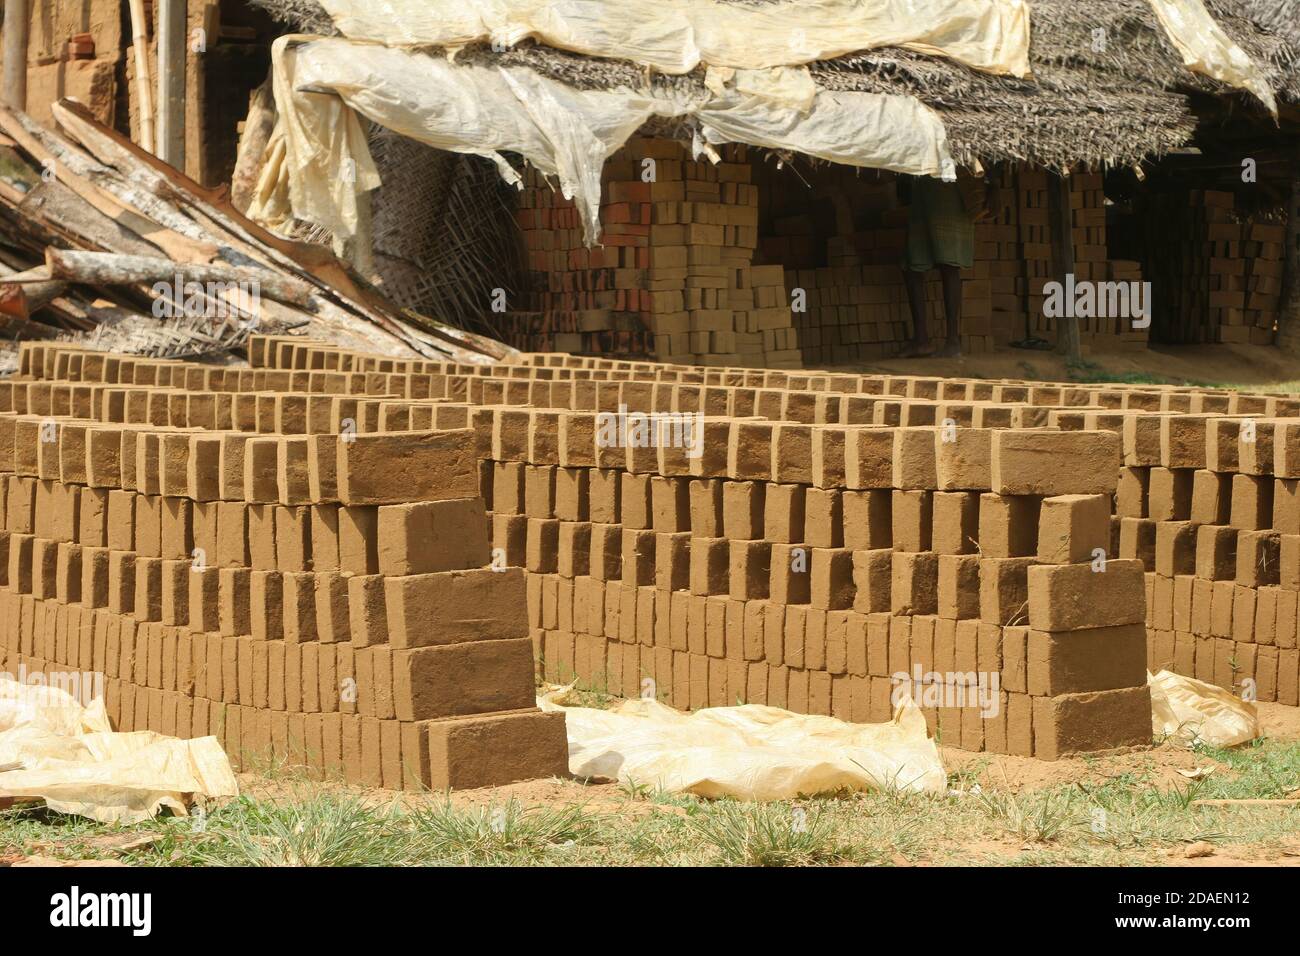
(1207, 50)
(69, 757)
(1190, 711)
(749, 752)
(675, 36)
(320, 153)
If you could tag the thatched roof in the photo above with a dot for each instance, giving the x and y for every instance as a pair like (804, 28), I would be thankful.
(1111, 103)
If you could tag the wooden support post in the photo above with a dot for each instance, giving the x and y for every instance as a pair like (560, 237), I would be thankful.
(144, 96)
(171, 82)
(15, 54)
(1067, 332)
(1288, 317)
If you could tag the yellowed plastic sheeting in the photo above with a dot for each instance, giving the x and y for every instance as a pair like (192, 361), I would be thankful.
(1190, 711)
(675, 36)
(1207, 50)
(567, 133)
(749, 752)
(72, 760)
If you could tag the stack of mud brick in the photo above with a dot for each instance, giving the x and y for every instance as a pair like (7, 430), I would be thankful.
(1209, 501)
(672, 274)
(245, 553)
(1222, 276)
(837, 538)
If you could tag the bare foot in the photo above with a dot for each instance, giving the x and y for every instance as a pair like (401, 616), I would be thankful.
(949, 350)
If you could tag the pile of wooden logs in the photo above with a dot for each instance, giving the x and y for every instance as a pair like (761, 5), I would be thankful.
(103, 244)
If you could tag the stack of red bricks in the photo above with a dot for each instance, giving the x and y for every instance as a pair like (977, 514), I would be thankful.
(245, 553)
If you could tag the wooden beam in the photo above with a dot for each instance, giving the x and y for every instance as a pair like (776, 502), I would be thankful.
(15, 55)
(171, 82)
(1058, 194)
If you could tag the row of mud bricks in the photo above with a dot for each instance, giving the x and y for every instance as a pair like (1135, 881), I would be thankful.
(821, 542)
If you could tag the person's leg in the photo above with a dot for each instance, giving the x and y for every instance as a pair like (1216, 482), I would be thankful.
(914, 282)
(951, 276)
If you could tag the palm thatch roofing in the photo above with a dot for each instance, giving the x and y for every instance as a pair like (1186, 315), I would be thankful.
(1108, 87)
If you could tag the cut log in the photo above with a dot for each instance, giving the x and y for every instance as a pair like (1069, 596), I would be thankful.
(107, 268)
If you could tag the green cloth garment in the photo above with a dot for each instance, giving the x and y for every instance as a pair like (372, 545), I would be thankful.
(939, 229)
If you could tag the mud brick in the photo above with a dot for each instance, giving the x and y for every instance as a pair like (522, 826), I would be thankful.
(832, 579)
(784, 513)
(914, 459)
(147, 605)
(1074, 596)
(92, 517)
(104, 457)
(1287, 691)
(1086, 660)
(292, 532)
(868, 457)
(1286, 506)
(424, 537)
(121, 581)
(393, 468)
(1087, 722)
(572, 494)
(508, 487)
(1176, 547)
(573, 548)
(1211, 497)
(259, 483)
(1252, 502)
(792, 453)
(232, 535)
(359, 540)
(912, 520)
(670, 505)
(1170, 495)
(743, 509)
(1137, 539)
(673, 561)
(539, 491)
(828, 457)
(1182, 441)
(576, 440)
(461, 679)
(261, 536)
(1266, 615)
(606, 496)
(790, 580)
(636, 509)
(749, 569)
(542, 545)
(872, 580)
(1243, 615)
(606, 552)
(1008, 526)
(915, 583)
(1004, 590)
(1286, 618)
(94, 588)
(1132, 492)
(176, 534)
(1160, 607)
(44, 564)
(955, 522)
(706, 503)
(233, 602)
(1072, 527)
(963, 458)
(1289, 561)
(637, 556)
(823, 518)
(454, 606)
(1258, 558)
(749, 450)
(332, 615)
(1255, 454)
(293, 471)
(958, 586)
(1054, 463)
(1216, 553)
(868, 519)
(494, 750)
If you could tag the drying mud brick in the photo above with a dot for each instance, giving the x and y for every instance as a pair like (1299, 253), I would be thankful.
(1072, 597)
(1054, 463)
(429, 536)
(1072, 527)
(454, 680)
(495, 749)
(399, 467)
(1088, 722)
(456, 606)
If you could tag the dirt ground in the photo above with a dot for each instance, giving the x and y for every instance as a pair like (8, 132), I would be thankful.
(1244, 365)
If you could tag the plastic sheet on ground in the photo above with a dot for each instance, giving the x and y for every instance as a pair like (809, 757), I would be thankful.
(72, 760)
(1190, 711)
(319, 161)
(750, 752)
(1207, 50)
(675, 36)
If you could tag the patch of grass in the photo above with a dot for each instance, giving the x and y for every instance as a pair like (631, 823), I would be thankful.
(771, 834)
(495, 834)
(1039, 817)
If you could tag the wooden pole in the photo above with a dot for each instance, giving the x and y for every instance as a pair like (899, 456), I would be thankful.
(171, 82)
(144, 96)
(15, 55)
(1067, 332)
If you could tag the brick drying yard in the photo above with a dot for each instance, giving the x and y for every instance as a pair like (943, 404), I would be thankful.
(354, 570)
